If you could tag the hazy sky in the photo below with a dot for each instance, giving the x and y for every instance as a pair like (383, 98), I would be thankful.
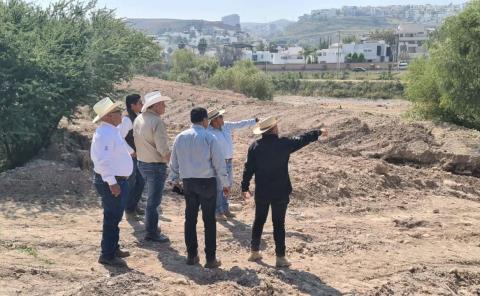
(249, 10)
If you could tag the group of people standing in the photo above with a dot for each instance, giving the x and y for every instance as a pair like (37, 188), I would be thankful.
(133, 151)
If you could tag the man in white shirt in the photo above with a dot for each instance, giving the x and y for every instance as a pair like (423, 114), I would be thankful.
(223, 132)
(112, 165)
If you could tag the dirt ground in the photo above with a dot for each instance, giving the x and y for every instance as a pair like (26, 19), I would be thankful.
(384, 206)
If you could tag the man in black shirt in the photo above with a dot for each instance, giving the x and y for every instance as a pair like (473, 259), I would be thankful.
(268, 159)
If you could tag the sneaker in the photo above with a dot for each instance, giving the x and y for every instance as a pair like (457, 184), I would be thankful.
(122, 254)
(213, 264)
(254, 256)
(282, 262)
(115, 261)
(229, 214)
(220, 217)
(158, 237)
(193, 260)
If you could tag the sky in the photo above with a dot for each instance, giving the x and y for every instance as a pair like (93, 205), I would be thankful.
(249, 10)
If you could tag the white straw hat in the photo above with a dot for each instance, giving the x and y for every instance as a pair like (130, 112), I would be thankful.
(105, 106)
(265, 125)
(152, 98)
(214, 113)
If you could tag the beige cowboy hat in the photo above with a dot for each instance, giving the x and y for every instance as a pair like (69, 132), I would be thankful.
(152, 98)
(214, 113)
(105, 106)
(265, 125)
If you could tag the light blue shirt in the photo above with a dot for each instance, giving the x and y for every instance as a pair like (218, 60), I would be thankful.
(224, 135)
(196, 153)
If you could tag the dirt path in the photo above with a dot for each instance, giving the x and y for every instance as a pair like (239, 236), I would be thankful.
(383, 207)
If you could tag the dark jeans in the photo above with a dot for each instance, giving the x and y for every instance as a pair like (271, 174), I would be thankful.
(154, 175)
(136, 185)
(113, 208)
(278, 219)
(200, 192)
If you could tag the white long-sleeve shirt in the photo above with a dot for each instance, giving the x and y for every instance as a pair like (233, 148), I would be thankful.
(224, 135)
(110, 154)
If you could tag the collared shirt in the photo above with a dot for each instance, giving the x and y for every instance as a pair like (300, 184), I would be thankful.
(224, 135)
(125, 128)
(110, 154)
(197, 154)
(151, 140)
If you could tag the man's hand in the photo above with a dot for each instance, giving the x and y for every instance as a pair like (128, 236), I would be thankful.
(226, 191)
(134, 154)
(324, 132)
(115, 189)
(246, 195)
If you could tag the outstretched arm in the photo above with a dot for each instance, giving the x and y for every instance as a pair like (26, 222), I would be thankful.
(300, 141)
(240, 124)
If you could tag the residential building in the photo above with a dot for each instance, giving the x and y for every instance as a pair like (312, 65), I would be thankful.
(373, 51)
(411, 41)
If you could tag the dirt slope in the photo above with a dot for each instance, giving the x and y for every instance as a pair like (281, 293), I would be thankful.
(384, 206)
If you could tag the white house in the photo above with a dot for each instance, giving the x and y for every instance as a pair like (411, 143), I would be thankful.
(411, 40)
(373, 51)
(292, 55)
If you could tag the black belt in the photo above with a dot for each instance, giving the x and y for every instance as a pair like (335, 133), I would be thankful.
(118, 178)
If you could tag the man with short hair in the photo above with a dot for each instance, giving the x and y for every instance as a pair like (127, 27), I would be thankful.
(197, 159)
(267, 159)
(112, 164)
(153, 154)
(223, 130)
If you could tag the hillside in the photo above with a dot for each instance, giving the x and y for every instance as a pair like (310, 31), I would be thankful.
(310, 30)
(159, 26)
(266, 30)
(383, 206)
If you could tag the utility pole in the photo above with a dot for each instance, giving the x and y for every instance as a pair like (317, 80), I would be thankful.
(338, 54)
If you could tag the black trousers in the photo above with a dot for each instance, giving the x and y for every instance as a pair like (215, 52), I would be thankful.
(278, 219)
(200, 192)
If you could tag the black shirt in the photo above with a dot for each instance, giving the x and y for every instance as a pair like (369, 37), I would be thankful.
(268, 158)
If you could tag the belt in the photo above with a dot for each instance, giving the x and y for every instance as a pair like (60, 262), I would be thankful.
(121, 178)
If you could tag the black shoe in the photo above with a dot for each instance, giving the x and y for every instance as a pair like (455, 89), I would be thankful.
(193, 260)
(115, 261)
(122, 254)
(213, 264)
(158, 237)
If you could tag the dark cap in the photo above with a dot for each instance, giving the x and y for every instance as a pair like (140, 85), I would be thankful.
(198, 115)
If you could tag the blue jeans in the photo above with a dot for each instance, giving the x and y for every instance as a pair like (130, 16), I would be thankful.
(113, 208)
(155, 175)
(136, 185)
(222, 200)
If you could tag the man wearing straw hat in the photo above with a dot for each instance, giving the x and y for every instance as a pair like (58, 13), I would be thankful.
(223, 132)
(153, 154)
(112, 165)
(267, 159)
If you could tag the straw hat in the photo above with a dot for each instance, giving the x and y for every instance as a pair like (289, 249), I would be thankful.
(212, 114)
(265, 125)
(152, 98)
(105, 106)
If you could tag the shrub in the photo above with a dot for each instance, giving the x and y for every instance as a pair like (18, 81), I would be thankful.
(446, 86)
(245, 78)
(190, 68)
(54, 59)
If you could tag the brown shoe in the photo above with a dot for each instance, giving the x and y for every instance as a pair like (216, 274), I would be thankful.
(229, 214)
(282, 262)
(254, 256)
(115, 261)
(220, 217)
(122, 254)
(213, 264)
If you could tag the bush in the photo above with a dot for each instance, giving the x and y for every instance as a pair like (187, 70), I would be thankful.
(446, 86)
(54, 59)
(245, 78)
(190, 68)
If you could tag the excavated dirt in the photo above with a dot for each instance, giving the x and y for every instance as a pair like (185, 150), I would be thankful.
(383, 206)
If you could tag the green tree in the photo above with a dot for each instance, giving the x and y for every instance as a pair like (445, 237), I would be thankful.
(361, 58)
(388, 36)
(447, 84)
(202, 46)
(272, 47)
(349, 39)
(354, 57)
(260, 46)
(190, 68)
(54, 59)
